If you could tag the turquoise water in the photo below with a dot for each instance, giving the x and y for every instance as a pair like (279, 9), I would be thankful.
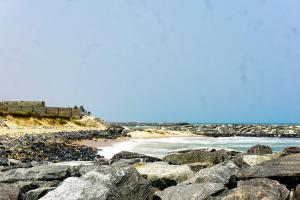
(161, 146)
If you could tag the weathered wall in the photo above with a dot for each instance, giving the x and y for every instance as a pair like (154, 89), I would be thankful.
(39, 108)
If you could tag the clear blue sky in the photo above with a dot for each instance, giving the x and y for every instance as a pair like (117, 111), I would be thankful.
(155, 60)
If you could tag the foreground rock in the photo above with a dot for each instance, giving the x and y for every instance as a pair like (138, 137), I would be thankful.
(257, 189)
(220, 173)
(200, 155)
(284, 169)
(187, 192)
(117, 182)
(258, 159)
(260, 149)
(133, 157)
(162, 175)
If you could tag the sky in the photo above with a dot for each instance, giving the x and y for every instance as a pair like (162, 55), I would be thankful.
(205, 61)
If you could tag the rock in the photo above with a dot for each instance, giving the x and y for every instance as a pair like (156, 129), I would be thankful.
(115, 182)
(188, 192)
(220, 173)
(115, 130)
(257, 159)
(291, 150)
(257, 189)
(43, 172)
(296, 193)
(285, 169)
(16, 190)
(3, 157)
(162, 175)
(37, 193)
(260, 149)
(195, 167)
(201, 155)
(136, 157)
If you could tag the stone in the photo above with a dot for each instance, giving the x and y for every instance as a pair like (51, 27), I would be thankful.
(257, 189)
(116, 182)
(200, 155)
(37, 193)
(220, 173)
(162, 175)
(16, 190)
(257, 159)
(199, 191)
(291, 150)
(284, 169)
(43, 172)
(296, 193)
(131, 155)
(260, 149)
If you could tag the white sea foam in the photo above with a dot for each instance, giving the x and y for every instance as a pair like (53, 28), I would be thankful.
(161, 146)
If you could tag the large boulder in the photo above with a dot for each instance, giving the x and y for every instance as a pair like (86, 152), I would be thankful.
(220, 173)
(284, 169)
(257, 189)
(212, 156)
(37, 193)
(117, 182)
(16, 190)
(162, 175)
(260, 149)
(258, 159)
(295, 195)
(187, 192)
(136, 157)
(43, 172)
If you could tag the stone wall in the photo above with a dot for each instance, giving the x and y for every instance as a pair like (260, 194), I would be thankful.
(38, 108)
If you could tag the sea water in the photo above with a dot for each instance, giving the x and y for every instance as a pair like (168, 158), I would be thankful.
(159, 147)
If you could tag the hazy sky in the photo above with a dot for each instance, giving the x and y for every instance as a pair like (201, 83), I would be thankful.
(155, 60)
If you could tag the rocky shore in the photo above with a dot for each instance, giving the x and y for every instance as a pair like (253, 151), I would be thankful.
(228, 130)
(184, 175)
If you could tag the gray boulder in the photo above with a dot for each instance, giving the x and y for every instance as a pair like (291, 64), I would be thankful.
(162, 175)
(285, 169)
(220, 173)
(16, 190)
(116, 182)
(200, 155)
(44, 172)
(136, 157)
(37, 193)
(189, 192)
(257, 189)
(260, 149)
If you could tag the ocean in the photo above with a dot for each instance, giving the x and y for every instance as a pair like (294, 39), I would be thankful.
(159, 147)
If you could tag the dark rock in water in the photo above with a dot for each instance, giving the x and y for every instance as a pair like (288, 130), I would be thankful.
(257, 189)
(220, 173)
(199, 191)
(260, 149)
(285, 169)
(37, 193)
(116, 182)
(200, 155)
(131, 155)
(291, 150)
(16, 190)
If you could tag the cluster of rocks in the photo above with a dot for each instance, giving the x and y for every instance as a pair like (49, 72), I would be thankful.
(184, 175)
(53, 147)
(251, 130)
